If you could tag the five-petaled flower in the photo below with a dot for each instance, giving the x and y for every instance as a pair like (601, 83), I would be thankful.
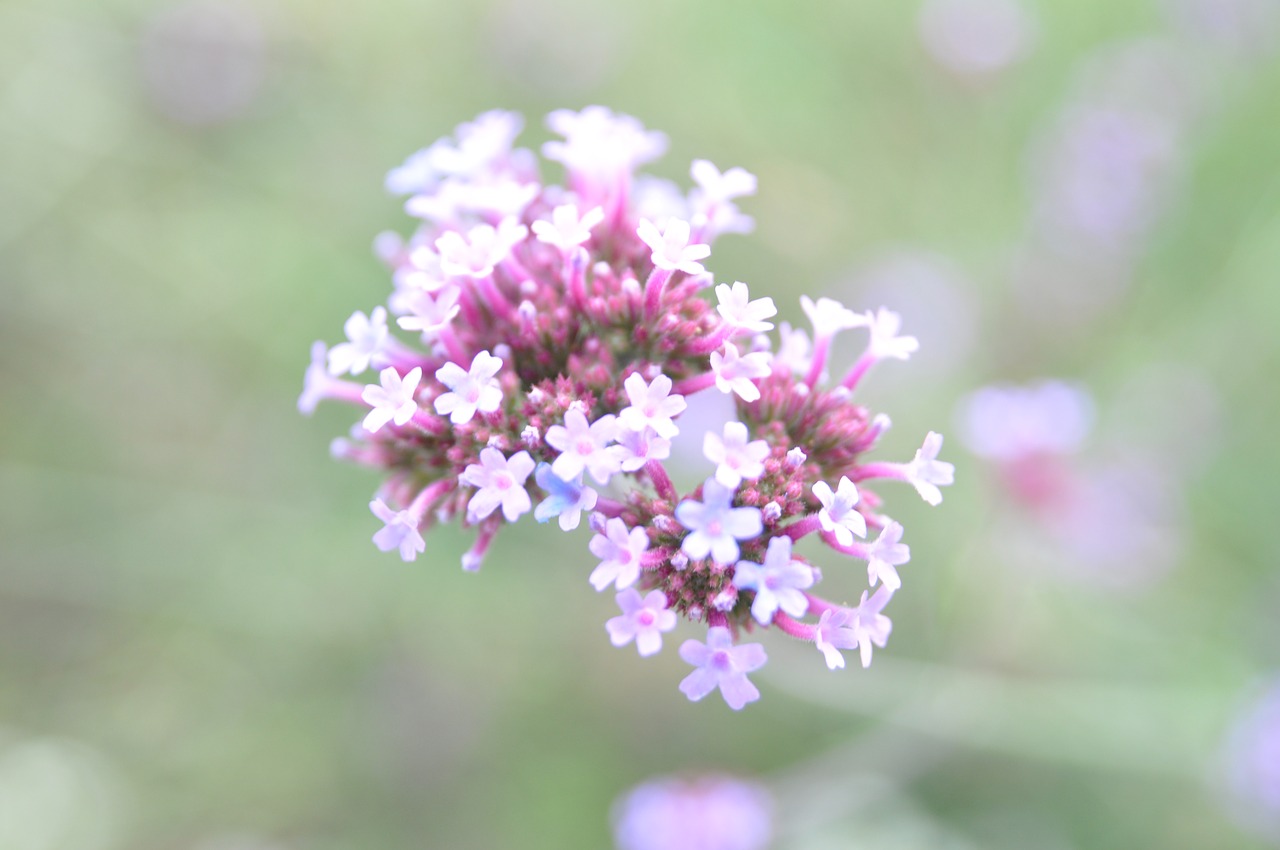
(736, 307)
(885, 555)
(469, 391)
(566, 230)
(839, 514)
(735, 455)
(643, 619)
(500, 483)
(652, 406)
(367, 337)
(399, 532)
(715, 526)
(393, 400)
(565, 499)
(885, 342)
(671, 248)
(779, 582)
(484, 246)
(737, 374)
(620, 550)
(926, 473)
(584, 445)
(722, 665)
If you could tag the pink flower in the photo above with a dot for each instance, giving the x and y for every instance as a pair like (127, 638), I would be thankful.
(885, 555)
(703, 813)
(926, 473)
(715, 526)
(838, 514)
(715, 187)
(583, 445)
(621, 551)
(778, 582)
(500, 483)
(601, 147)
(367, 337)
(652, 406)
(736, 459)
(484, 247)
(469, 391)
(566, 230)
(885, 342)
(393, 400)
(642, 620)
(431, 313)
(736, 307)
(637, 448)
(722, 665)
(399, 532)
(671, 248)
(736, 374)
(829, 316)
(862, 627)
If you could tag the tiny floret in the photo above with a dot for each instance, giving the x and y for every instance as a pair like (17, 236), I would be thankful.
(926, 473)
(722, 665)
(500, 484)
(652, 406)
(643, 620)
(839, 515)
(566, 230)
(671, 248)
(885, 342)
(393, 399)
(400, 531)
(736, 307)
(471, 391)
(885, 555)
(778, 583)
(476, 254)
(735, 455)
(584, 445)
(565, 499)
(737, 374)
(829, 316)
(620, 550)
(367, 336)
(716, 187)
(430, 312)
(715, 526)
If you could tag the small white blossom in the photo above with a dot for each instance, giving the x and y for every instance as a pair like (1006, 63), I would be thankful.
(367, 337)
(778, 583)
(736, 307)
(429, 312)
(734, 374)
(400, 531)
(829, 316)
(484, 247)
(926, 473)
(885, 342)
(637, 448)
(795, 351)
(392, 400)
(838, 514)
(500, 482)
(671, 248)
(566, 230)
(643, 620)
(600, 147)
(620, 550)
(736, 459)
(715, 526)
(469, 391)
(885, 555)
(652, 406)
(583, 445)
(716, 187)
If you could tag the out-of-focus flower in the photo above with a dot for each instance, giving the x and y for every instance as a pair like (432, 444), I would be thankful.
(976, 38)
(1251, 765)
(699, 813)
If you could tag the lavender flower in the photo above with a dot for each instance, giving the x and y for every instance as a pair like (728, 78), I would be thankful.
(576, 331)
(701, 813)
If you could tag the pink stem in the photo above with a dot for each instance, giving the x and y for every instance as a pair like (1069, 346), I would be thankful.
(716, 618)
(695, 384)
(344, 391)
(474, 557)
(817, 604)
(493, 297)
(609, 507)
(653, 291)
(802, 527)
(661, 481)
(856, 550)
(576, 270)
(429, 422)
(821, 346)
(893, 471)
(453, 347)
(788, 626)
(858, 370)
(655, 558)
(713, 341)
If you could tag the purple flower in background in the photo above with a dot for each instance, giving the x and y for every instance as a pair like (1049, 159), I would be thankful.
(1251, 765)
(976, 38)
(701, 813)
(1009, 422)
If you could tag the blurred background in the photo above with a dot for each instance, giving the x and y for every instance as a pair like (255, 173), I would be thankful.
(200, 648)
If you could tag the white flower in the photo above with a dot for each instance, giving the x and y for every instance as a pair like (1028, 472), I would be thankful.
(736, 307)
(500, 482)
(431, 313)
(715, 526)
(735, 374)
(652, 405)
(735, 458)
(470, 391)
(885, 342)
(926, 473)
(367, 337)
(599, 146)
(794, 349)
(393, 400)
(621, 551)
(829, 316)
(861, 627)
(637, 448)
(583, 445)
(400, 531)
(566, 230)
(716, 187)
(779, 582)
(671, 248)
(885, 555)
(838, 514)
(484, 247)
(643, 620)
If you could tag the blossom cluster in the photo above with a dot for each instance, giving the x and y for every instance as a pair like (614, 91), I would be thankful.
(558, 331)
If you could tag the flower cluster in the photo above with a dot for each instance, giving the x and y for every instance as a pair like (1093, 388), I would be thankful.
(560, 330)
(711, 812)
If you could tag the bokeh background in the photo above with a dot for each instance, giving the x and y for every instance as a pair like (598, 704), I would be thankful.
(199, 646)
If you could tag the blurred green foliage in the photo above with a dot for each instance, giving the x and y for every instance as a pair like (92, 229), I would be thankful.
(197, 640)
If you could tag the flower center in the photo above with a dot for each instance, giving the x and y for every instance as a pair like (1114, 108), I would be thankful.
(721, 660)
(585, 446)
(503, 480)
(645, 618)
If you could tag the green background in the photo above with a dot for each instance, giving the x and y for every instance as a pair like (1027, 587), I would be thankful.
(199, 646)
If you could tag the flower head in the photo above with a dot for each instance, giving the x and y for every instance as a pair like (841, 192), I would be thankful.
(722, 665)
(393, 399)
(643, 620)
(500, 483)
(779, 582)
(471, 391)
(715, 526)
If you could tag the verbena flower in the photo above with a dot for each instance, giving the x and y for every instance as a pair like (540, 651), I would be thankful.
(561, 329)
(694, 813)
